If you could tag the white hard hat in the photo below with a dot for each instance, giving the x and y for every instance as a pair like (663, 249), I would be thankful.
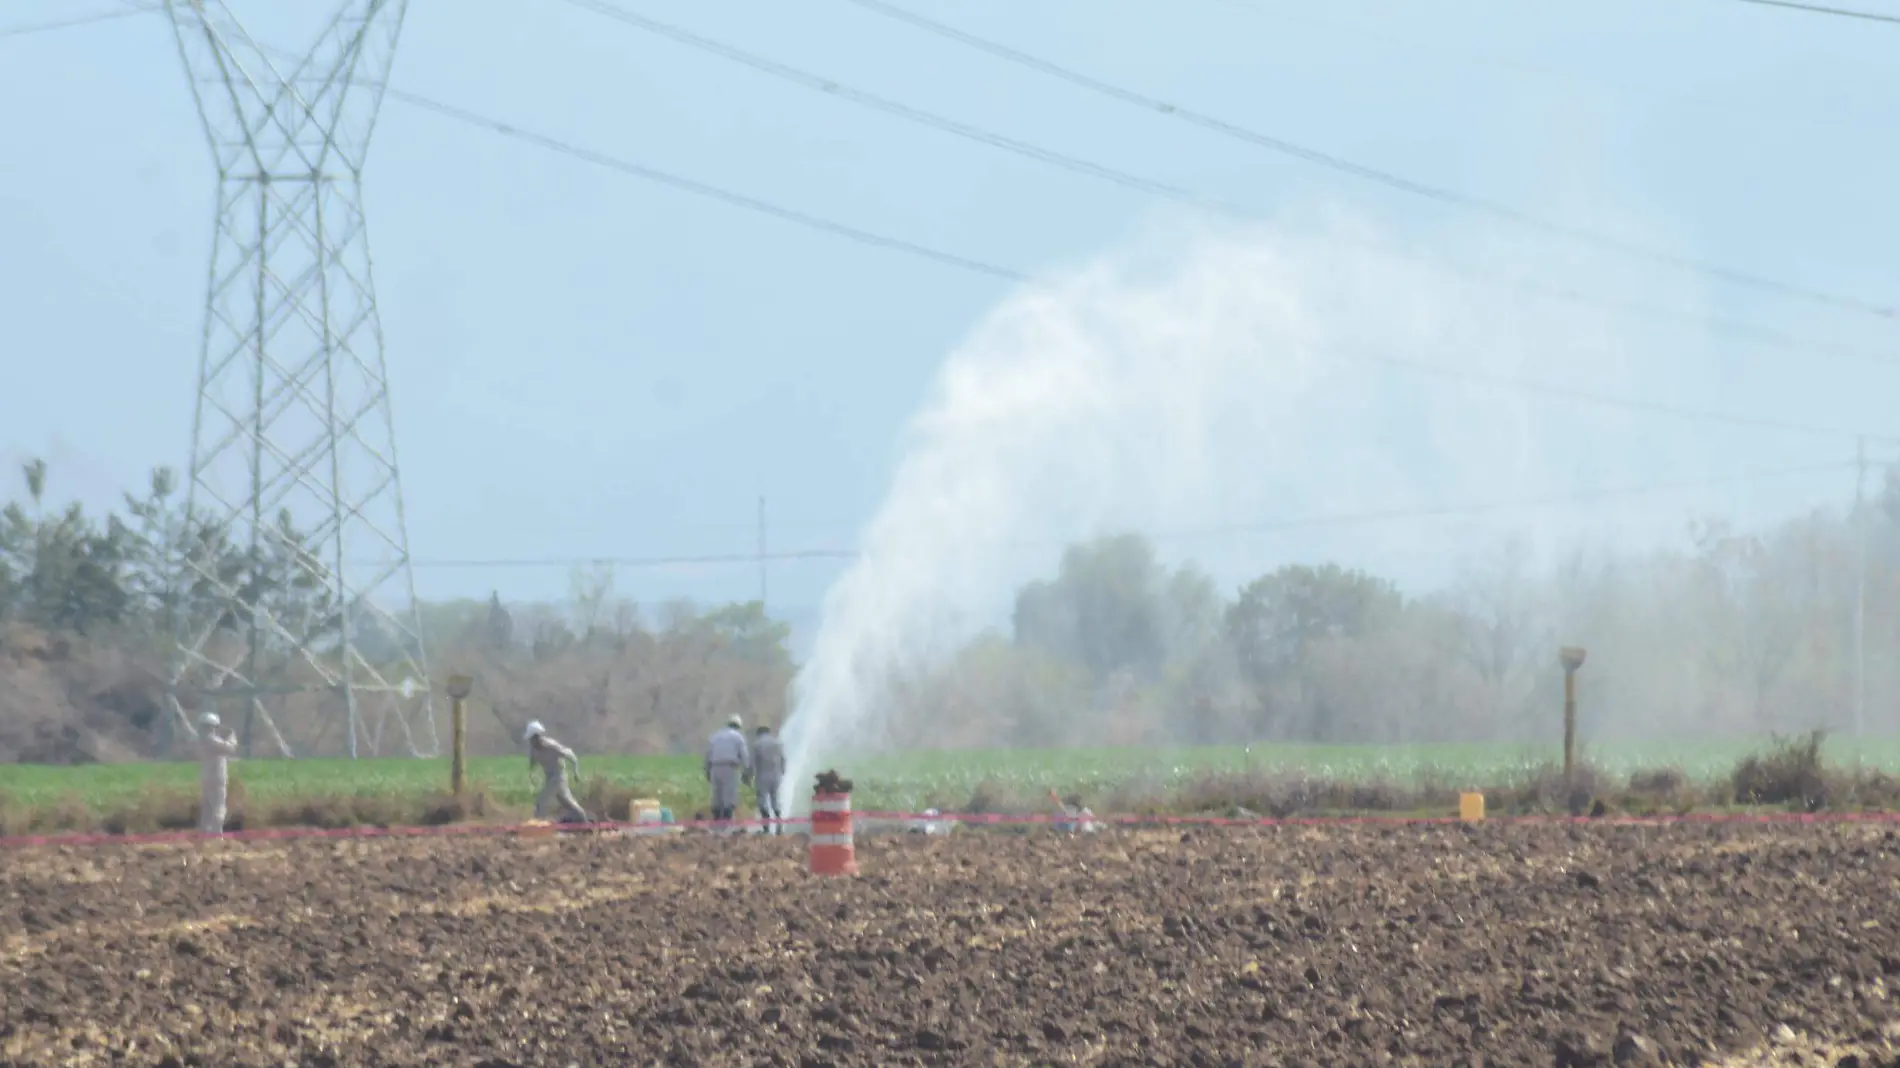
(210, 721)
(735, 723)
(534, 728)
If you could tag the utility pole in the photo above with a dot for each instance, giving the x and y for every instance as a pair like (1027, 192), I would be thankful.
(293, 471)
(1860, 594)
(1571, 657)
(460, 686)
(762, 588)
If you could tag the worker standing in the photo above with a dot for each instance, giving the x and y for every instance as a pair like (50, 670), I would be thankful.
(553, 759)
(727, 760)
(768, 767)
(216, 747)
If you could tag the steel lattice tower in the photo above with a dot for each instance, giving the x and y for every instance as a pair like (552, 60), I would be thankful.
(293, 449)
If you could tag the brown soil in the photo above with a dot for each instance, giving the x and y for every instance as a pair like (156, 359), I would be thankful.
(1437, 945)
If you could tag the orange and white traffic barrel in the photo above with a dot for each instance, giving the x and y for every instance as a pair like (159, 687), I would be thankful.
(831, 849)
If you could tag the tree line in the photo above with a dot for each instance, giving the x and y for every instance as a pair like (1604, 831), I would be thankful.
(1728, 631)
(92, 605)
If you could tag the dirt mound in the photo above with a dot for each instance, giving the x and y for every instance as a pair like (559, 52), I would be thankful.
(1579, 945)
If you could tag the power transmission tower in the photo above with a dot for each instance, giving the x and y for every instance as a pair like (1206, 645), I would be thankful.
(293, 459)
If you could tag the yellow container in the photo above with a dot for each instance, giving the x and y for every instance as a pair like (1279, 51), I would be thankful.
(644, 810)
(1471, 807)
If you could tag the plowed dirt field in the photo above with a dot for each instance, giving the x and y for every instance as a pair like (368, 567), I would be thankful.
(1438, 945)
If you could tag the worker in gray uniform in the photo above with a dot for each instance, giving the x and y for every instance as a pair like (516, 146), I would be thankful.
(727, 761)
(553, 759)
(768, 768)
(216, 747)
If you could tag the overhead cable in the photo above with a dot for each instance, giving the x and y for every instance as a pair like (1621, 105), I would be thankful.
(643, 562)
(1444, 511)
(81, 20)
(751, 203)
(1337, 519)
(704, 189)
(685, 184)
(979, 266)
(1605, 400)
(1386, 178)
(1818, 9)
(1153, 187)
(1635, 309)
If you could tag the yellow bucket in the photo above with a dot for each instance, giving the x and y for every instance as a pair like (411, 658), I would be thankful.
(1471, 807)
(644, 810)
(536, 828)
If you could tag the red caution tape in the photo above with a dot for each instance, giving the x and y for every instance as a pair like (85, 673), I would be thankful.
(918, 819)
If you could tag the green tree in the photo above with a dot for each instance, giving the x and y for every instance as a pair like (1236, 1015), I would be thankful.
(63, 571)
(1278, 617)
(748, 632)
(499, 627)
(1114, 607)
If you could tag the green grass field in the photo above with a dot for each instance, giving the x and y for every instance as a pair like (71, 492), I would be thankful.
(912, 781)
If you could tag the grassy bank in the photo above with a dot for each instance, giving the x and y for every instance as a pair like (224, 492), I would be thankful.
(1280, 781)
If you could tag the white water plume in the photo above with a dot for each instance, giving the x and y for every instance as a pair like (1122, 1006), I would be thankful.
(1202, 378)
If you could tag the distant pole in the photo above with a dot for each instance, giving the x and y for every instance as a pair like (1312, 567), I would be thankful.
(459, 688)
(762, 587)
(1571, 658)
(1860, 595)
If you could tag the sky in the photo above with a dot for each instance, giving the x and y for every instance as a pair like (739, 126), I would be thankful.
(584, 364)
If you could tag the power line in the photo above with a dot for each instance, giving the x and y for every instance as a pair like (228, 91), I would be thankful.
(643, 562)
(1289, 12)
(1585, 497)
(1818, 9)
(1371, 174)
(1112, 174)
(652, 174)
(703, 189)
(854, 233)
(1634, 309)
(1189, 533)
(82, 20)
(1153, 187)
(820, 83)
(843, 230)
(885, 104)
(978, 266)
(1585, 396)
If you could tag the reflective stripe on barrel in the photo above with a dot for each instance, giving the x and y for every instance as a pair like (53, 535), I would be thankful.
(831, 849)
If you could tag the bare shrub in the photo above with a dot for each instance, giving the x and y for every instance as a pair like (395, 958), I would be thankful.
(994, 797)
(1790, 772)
(440, 809)
(69, 813)
(1868, 788)
(1658, 782)
(332, 812)
(1280, 795)
(157, 808)
(1544, 789)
